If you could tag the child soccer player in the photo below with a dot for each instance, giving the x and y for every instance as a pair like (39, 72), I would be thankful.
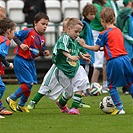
(41, 93)
(119, 68)
(89, 12)
(24, 65)
(66, 70)
(7, 29)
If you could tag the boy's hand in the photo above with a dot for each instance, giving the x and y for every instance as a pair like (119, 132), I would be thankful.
(24, 46)
(81, 42)
(87, 55)
(46, 53)
(74, 58)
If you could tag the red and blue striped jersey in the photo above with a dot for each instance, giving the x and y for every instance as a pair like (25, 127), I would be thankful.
(4, 45)
(35, 42)
(113, 42)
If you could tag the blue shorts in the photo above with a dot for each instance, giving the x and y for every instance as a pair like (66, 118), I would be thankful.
(25, 70)
(119, 71)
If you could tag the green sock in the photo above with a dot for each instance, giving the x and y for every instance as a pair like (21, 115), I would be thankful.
(77, 100)
(63, 101)
(37, 97)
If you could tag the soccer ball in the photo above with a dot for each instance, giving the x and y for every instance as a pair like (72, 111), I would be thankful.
(95, 89)
(107, 105)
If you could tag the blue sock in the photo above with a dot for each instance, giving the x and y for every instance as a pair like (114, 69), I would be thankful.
(116, 98)
(18, 93)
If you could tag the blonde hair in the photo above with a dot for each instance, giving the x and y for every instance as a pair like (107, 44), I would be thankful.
(2, 12)
(108, 15)
(64, 24)
(74, 21)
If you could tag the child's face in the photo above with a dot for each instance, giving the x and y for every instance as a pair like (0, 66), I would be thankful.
(91, 15)
(10, 33)
(75, 31)
(41, 26)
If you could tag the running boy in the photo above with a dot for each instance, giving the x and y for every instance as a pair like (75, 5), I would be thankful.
(66, 70)
(119, 68)
(7, 29)
(24, 65)
(55, 82)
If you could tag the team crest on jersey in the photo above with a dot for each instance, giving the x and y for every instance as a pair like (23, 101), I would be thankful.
(71, 51)
(42, 42)
(71, 62)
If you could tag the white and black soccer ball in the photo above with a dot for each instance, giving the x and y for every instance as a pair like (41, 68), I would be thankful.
(107, 105)
(95, 89)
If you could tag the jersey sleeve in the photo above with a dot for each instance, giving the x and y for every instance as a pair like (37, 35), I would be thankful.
(22, 34)
(100, 40)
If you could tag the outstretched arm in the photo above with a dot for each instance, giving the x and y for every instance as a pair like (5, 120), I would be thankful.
(83, 44)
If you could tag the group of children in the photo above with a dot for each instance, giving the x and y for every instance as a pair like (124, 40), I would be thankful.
(66, 76)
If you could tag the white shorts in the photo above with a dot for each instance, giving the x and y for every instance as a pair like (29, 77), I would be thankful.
(99, 56)
(55, 83)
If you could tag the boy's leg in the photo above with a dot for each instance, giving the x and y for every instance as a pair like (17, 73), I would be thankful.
(35, 100)
(23, 91)
(62, 104)
(77, 100)
(117, 101)
(80, 82)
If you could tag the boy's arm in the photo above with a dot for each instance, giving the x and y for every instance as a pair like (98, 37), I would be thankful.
(83, 44)
(5, 62)
(75, 58)
(86, 57)
(19, 43)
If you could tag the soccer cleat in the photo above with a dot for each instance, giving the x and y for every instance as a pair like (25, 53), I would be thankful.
(31, 105)
(118, 112)
(22, 109)
(2, 116)
(105, 90)
(5, 112)
(83, 105)
(63, 109)
(12, 104)
(73, 111)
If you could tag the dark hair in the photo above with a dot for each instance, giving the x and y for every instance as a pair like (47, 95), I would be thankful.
(6, 24)
(39, 16)
(99, 2)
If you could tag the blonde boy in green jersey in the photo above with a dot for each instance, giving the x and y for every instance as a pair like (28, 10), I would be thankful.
(67, 70)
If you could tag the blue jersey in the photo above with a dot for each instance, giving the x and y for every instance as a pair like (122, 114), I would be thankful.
(4, 46)
(35, 42)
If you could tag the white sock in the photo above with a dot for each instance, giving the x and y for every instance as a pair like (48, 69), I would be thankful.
(105, 84)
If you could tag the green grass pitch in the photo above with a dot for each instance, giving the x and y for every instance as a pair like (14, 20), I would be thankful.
(46, 118)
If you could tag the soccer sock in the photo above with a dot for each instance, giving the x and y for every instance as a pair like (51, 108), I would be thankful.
(116, 98)
(26, 88)
(105, 84)
(77, 100)
(37, 97)
(63, 101)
